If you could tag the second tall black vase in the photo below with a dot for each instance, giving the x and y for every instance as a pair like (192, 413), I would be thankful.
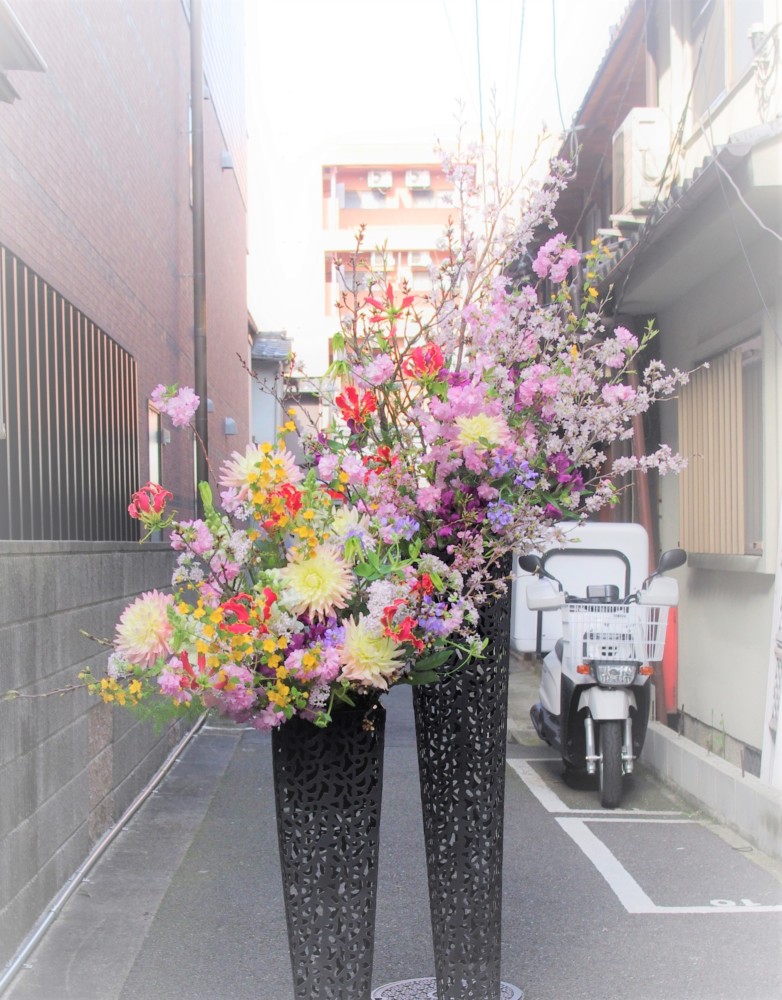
(461, 733)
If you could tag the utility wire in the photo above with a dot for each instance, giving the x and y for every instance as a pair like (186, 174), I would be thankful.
(516, 87)
(554, 61)
(480, 88)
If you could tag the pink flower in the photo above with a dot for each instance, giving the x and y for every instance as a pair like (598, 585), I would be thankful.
(182, 407)
(267, 719)
(179, 404)
(379, 370)
(192, 535)
(625, 339)
(144, 631)
(327, 466)
(617, 393)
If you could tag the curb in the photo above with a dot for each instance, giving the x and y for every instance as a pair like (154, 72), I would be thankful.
(739, 800)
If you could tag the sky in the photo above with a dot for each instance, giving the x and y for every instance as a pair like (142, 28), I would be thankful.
(322, 72)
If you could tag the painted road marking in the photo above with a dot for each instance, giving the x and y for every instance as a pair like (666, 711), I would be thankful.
(549, 799)
(625, 888)
(621, 882)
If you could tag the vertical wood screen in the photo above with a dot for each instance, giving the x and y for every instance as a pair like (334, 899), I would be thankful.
(69, 420)
(711, 426)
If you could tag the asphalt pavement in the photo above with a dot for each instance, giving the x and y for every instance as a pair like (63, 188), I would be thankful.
(650, 902)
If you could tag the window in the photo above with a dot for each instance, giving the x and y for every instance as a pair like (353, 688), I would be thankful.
(69, 457)
(720, 431)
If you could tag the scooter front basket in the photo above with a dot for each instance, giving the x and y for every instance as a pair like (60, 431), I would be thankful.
(629, 633)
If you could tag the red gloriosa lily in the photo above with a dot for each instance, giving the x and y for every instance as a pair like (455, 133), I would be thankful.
(424, 362)
(354, 407)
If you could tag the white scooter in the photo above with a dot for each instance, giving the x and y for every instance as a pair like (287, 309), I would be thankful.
(594, 691)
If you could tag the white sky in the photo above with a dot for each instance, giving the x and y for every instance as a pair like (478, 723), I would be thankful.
(324, 71)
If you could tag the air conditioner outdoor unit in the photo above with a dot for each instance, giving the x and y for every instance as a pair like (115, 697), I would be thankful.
(379, 179)
(640, 151)
(419, 179)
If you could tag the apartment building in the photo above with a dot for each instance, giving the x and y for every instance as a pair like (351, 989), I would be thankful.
(96, 309)
(401, 201)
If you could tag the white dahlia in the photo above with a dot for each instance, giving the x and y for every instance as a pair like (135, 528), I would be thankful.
(368, 658)
(318, 585)
(240, 472)
(480, 428)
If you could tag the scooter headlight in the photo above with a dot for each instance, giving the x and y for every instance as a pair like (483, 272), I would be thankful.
(615, 674)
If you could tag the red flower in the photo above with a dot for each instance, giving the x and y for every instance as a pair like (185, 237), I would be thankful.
(424, 362)
(388, 309)
(237, 608)
(403, 632)
(382, 459)
(150, 499)
(424, 585)
(356, 408)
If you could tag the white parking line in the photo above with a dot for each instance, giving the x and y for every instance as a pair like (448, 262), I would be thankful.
(553, 803)
(627, 890)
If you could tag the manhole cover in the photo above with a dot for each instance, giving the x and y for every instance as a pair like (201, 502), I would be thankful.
(426, 989)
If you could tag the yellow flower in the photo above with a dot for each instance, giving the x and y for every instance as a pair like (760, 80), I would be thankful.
(594, 293)
(367, 658)
(318, 584)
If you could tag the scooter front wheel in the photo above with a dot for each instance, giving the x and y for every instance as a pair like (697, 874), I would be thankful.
(610, 736)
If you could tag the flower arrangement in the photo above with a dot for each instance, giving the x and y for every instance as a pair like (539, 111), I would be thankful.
(469, 423)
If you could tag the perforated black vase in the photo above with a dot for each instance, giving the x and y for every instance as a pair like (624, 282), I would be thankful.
(461, 731)
(327, 786)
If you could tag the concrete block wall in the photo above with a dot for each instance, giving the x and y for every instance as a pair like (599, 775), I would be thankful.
(69, 765)
(738, 799)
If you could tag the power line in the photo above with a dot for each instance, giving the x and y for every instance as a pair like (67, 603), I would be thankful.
(554, 61)
(480, 88)
(516, 87)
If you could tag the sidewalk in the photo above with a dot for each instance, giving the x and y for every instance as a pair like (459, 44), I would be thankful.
(186, 901)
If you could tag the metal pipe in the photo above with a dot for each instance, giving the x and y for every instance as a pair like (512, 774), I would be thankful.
(73, 883)
(199, 245)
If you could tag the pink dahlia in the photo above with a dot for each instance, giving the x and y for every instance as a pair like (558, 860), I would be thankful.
(144, 631)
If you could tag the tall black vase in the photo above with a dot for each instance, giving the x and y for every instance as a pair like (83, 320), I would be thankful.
(327, 785)
(461, 733)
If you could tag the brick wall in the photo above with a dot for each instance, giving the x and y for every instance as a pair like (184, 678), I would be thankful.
(95, 198)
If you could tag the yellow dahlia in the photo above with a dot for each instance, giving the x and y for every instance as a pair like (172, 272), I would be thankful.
(483, 426)
(144, 631)
(319, 584)
(367, 658)
(240, 472)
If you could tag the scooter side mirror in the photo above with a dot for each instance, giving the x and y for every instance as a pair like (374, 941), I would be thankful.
(671, 559)
(531, 564)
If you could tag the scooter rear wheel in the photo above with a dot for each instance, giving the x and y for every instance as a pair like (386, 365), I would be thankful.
(610, 736)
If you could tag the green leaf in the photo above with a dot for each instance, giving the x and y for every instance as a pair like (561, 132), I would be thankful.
(432, 661)
(423, 677)
(205, 492)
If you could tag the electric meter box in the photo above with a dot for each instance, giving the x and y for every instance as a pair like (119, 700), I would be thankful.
(597, 553)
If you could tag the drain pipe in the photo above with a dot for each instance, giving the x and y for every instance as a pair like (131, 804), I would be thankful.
(199, 249)
(95, 854)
